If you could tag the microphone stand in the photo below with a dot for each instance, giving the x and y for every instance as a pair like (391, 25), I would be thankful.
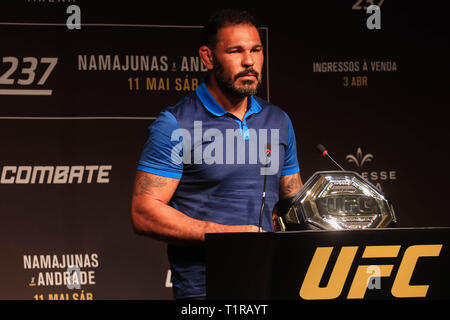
(263, 200)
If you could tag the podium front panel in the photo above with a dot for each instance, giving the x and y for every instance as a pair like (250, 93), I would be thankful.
(378, 264)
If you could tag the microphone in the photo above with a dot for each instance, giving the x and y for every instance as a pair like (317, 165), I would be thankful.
(321, 148)
(268, 151)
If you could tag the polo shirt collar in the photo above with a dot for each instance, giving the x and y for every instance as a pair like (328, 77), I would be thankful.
(216, 109)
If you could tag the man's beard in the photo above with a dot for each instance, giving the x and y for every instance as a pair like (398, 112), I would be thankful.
(227, 83)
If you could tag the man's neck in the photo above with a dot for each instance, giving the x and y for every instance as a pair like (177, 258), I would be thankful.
(233, 104)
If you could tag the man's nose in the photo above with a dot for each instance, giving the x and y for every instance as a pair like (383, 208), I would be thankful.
(248, 60)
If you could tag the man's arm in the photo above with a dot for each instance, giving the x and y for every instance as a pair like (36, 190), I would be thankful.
(289, 185)
(151, 215)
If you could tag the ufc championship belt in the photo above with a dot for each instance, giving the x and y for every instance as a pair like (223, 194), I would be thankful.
(336, 200)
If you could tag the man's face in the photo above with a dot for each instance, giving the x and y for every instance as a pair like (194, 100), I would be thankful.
(238, 59)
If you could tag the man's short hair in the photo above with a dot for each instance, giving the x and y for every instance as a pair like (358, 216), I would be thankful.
(223, 18)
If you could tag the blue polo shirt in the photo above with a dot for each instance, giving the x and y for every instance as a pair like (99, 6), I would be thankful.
(221, 163)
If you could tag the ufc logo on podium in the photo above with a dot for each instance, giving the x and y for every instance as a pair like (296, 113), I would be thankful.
(401, 288)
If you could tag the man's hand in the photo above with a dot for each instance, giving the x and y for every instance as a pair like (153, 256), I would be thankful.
(275, 216)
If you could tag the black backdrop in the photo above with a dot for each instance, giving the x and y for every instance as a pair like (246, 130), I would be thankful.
(375, 98)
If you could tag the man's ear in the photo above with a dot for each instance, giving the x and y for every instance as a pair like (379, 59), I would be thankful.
(206, 55)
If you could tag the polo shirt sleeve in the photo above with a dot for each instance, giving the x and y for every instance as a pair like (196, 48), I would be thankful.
(290, 158)
(160, 154)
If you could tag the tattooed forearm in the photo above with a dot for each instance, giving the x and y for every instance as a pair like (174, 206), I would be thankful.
(289, 185)
(144, 183)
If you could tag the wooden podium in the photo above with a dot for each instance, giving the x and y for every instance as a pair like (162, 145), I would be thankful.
(377, 264)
